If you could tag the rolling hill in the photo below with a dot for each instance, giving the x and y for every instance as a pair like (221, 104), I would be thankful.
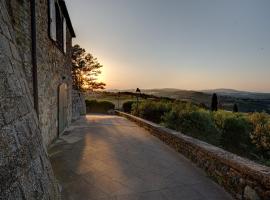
(246, 101)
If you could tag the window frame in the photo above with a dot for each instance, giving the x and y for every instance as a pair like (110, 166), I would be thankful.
(63, 43)
(51, 20)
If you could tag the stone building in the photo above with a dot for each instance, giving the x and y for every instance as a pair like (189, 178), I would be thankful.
(52, 88)
(35, 93)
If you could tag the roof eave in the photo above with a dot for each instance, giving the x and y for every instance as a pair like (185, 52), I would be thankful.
(65, 12)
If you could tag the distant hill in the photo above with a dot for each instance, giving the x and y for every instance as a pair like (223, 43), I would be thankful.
(247, 101)
(239, 94)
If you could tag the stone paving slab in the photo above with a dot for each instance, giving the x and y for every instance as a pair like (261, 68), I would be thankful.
(104, 157)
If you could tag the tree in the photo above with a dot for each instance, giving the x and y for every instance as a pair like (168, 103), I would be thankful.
(214, 104)
(85, 69)
(235, 108)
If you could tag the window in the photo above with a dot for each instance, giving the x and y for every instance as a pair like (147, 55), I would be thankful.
(64, 35)
(52, 19)
(58, 25)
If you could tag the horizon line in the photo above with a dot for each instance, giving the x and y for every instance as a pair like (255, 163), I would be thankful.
(201, 90)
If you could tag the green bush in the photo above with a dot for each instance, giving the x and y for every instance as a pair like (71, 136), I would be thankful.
(235, 134)
(93, 106)
(260, 134)
(151, 110)
(192, 121)
(127, 106)
(174, 118)
(220, 117)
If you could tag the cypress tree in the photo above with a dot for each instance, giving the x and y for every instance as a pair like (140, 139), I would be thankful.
(214, 104)
(235, 108)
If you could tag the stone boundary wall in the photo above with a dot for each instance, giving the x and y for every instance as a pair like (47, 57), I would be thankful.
(242, 178)
(78, 105)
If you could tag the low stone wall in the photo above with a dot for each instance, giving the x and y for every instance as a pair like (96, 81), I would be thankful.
(242, 178)
(78, 105)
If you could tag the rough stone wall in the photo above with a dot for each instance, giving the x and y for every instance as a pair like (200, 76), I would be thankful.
(244, 179)
(78, 105)
(25, 171)
(19, 11)
(54, 68)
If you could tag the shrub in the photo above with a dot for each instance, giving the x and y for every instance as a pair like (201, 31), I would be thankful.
(151, 110)
(174, 118)
(235, 134)
(127, 106)
(192, 121)
(220, 116)
(260, 135)
(93, 106)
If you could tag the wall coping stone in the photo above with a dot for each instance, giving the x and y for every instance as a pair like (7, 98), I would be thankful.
(248, 169)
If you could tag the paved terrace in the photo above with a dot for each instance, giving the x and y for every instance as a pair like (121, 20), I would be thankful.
(108, 157)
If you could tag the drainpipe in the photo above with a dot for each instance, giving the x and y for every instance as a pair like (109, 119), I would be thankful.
(34, 54)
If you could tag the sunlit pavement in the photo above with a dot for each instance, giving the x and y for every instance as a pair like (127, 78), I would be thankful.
(108, 157)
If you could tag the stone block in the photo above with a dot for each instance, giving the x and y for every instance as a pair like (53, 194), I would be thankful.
(5, 66)
(15, 52)
(4, 46)
(250, 194)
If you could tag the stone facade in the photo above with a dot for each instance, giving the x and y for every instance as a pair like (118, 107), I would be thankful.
(25, 171)
(54, 66)
(54, 69)
(243, 178)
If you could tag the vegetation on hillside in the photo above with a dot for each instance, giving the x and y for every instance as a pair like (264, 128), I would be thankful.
(246, 134)
(246, 101)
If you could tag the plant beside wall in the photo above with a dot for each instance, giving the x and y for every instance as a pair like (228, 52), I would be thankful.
(127, 106)
(235, 134)
(260, 135)
(93, 106)
(247, 135)
(151, 110)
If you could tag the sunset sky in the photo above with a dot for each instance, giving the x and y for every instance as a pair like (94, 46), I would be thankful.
(185, 44)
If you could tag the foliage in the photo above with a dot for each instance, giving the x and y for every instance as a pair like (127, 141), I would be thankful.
(174, 118)
(219, 118)
(235, 108)
(85, 69)
(260, 134)
(127, 106)
(94, 106)
(214, 104)
(235, 134)
(151, 110)
(247, 135)
(192, 121)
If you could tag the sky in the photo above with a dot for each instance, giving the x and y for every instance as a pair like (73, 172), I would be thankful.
(185, 44)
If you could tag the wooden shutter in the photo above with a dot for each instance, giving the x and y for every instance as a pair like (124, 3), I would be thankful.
(64, 35)
(52, 19)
